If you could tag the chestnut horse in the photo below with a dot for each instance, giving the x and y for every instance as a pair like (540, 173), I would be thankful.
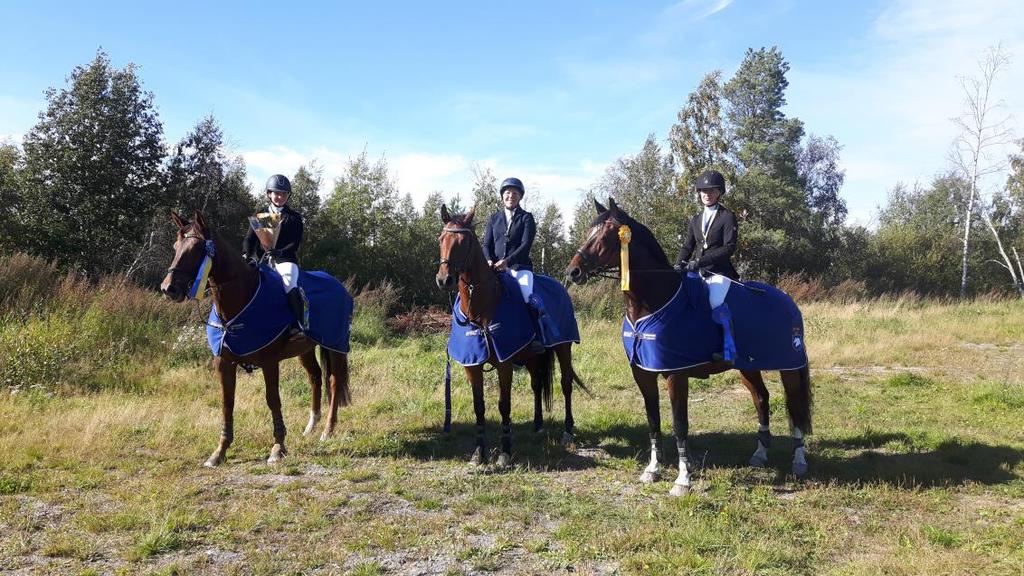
(464, 267)
(233, 283)
(653, 283)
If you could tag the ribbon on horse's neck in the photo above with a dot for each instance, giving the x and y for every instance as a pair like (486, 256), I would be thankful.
(625, 235)
(198, 290)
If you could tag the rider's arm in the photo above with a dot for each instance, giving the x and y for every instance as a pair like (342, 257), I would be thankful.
(688, 245)
(488, 243)
(296, 238)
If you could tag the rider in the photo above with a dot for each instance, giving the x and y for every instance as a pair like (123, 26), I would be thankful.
(284, 254)
(707, 249)
(507, 241)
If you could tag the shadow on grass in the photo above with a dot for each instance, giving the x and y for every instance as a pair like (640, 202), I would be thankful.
(531, 450)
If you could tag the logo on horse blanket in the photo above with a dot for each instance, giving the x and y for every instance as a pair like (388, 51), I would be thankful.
(767, 328)
(512, 327)
(267, 315)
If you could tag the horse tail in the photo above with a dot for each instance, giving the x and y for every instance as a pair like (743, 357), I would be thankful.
(332, 365)
(806, 396)
(579, 383)
(547, 370)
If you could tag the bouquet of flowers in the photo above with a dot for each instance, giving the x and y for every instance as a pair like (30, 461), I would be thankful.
(266, 225)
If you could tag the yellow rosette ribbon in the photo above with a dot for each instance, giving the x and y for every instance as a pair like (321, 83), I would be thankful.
(625, 235)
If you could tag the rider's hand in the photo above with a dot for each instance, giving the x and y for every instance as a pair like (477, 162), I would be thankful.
(692, 266)
(679, 267)
(501, 265)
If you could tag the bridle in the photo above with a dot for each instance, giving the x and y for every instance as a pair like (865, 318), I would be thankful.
(456, 269)
(191, 234)
(590, 265)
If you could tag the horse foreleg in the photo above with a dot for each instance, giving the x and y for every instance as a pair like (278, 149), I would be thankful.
(564, 353)
(759, 394)
(475, 375)
(271, 377)
(505, 409)
(648, 384)
(678, 390)
(315, 377)
(339, 390)
(226, 371)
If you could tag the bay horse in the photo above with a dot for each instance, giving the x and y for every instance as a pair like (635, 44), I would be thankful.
(232, 284)
(653, 283)
(463, 267)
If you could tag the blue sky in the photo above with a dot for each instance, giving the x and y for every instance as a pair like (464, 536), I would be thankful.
(551, 92)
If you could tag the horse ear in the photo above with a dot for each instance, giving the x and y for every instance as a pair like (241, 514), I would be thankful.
(612, 206)
(178, 220)
(600, 208)
(445, 217)
(469, 217)
(200, 221)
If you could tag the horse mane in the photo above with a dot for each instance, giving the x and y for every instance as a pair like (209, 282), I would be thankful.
(640, 232)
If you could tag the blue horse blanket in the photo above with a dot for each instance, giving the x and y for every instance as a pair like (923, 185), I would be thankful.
(767, 328)
(267, 315)
(512, 327)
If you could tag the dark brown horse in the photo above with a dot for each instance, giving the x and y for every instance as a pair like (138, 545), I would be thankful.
(653, 283)
(232, 283)
(464, 267)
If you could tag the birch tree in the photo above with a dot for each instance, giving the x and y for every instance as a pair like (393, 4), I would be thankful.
(984, 133)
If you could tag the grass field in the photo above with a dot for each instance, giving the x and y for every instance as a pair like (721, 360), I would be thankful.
(917, 467)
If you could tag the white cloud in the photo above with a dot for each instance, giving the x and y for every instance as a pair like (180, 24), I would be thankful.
(890, 105)
(694, 10)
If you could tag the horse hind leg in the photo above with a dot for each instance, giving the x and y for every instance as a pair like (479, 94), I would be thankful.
(797, 384)
(339, 387)
(759, 394)
(315, 377)
(564, 354)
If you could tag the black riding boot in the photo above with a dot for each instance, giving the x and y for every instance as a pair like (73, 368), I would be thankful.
(297, 304)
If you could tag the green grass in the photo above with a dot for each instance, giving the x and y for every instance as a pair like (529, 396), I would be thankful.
(917, 466)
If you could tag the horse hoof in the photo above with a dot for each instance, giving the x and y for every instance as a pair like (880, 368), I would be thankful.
(479, 458)
(504, 460)
(679, 490)
(213, 461)
(800, 469)
(313, 420)
(758, 461)
(277, 453)
(568, 439)
(327, 433)
(650, 477)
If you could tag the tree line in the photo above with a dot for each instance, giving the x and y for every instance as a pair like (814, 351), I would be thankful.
(91, 184)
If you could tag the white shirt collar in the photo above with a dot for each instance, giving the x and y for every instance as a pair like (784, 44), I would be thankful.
(275, 210)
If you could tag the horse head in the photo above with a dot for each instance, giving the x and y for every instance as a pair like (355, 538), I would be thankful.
(458, 243)
(190, 249)
(600, 251)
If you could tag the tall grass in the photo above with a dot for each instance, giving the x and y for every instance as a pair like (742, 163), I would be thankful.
(65, 332)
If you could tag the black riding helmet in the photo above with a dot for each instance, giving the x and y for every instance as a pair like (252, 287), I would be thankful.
(710, 179)
(512, 183)
(278, 183)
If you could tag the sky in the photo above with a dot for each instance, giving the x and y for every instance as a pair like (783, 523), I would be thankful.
(550, 92)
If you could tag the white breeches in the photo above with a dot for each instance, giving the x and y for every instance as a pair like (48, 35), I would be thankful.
(289, 272)
(525, 280)
(718, 287)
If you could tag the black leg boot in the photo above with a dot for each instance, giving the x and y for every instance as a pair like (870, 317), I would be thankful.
(297, 305)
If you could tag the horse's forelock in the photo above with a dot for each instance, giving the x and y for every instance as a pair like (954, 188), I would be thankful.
(459, 221)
